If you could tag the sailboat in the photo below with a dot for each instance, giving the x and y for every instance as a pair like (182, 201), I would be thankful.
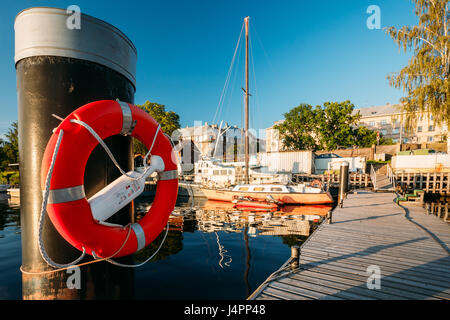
(270, 193)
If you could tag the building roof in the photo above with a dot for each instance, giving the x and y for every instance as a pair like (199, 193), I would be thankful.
(378, 110)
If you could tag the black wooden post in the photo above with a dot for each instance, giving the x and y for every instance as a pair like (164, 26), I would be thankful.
(59, 68)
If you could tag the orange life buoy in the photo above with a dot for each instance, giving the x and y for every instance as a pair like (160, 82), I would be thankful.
(68, 208)
(316, 183)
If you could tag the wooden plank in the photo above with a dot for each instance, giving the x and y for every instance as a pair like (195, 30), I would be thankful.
(360, 227)
(290, 293)
(320, 292)
(347, 286)
(385, 266)
(346, 276)
(266, 297)
(332, 289)
(390, 232)
(385, 238)
(399, 279)
(352, 273)
(367, 245)
(438, 260)
(427, 243)
(403, 261)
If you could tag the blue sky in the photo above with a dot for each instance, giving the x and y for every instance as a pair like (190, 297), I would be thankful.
(303, 52)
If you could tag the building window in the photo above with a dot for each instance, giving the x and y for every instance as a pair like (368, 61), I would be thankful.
(395, 131)
(372, 123)
(430, 128)
(430, 139)
(383, 122)
(419, 129)
(384, 132)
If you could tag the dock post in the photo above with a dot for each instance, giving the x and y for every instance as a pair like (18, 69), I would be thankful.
(64, 60)
(343, 182)
(295, 257)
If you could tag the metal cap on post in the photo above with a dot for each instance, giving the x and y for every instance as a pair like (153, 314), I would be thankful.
(295, 257)
(65, 59)
(44, 31)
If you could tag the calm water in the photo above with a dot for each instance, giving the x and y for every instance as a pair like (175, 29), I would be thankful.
(212, 251)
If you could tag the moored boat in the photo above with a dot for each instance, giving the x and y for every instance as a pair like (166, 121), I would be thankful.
(287, 194)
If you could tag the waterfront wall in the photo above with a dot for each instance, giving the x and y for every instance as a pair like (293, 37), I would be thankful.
(415, 163)
(356, 164)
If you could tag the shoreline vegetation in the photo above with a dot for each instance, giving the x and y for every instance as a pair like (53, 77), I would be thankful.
(9, 156)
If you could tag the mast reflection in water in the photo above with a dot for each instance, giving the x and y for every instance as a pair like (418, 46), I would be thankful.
(214, 251)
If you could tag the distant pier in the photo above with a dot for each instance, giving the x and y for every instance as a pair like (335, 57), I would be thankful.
(372, 249)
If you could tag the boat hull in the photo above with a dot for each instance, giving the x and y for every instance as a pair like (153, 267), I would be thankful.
(286, 198)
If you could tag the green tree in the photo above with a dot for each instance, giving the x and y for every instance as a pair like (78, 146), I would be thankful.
(426, 78)
(365, 138)
(169, 121)
(333, 126)
(10, 147)
(336, 124)
(298, 128)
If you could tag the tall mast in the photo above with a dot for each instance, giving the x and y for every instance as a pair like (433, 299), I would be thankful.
(247, 180)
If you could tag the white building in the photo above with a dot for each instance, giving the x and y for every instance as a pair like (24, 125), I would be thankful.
(205, 140)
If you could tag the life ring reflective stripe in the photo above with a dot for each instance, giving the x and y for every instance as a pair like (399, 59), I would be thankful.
(68, 208)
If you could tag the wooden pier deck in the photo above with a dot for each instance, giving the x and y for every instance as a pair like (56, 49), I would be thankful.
(410, 248)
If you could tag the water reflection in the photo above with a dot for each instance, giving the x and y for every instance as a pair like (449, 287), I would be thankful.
(10, 249)
(9, 212)
(292, 223)
(439, 208)
(225, 231)
(288, 221)
(226, 252)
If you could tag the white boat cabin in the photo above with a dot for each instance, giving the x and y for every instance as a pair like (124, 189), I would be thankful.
(263, 188)
(215, 172)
